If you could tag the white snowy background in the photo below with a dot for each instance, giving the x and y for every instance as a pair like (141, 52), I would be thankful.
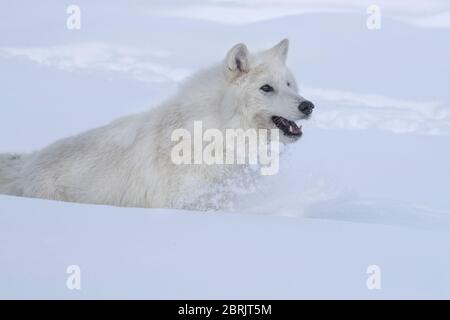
(368, 184)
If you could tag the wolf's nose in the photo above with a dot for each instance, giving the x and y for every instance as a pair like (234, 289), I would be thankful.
(306, 107)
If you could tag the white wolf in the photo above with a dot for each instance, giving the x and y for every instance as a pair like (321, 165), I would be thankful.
(128, 162)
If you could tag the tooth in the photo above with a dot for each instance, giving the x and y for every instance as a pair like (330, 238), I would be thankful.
(290, 128)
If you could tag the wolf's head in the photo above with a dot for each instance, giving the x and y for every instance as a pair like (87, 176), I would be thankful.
(265, 90)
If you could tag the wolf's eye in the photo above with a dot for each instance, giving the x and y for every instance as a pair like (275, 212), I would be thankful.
(266, 88)
(288, 84)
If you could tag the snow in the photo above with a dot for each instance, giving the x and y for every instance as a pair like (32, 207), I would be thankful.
(368, 183)
(140, 253)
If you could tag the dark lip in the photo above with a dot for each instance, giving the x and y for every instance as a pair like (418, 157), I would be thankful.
(288, 127)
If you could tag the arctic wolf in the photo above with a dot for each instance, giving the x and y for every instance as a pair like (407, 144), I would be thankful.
(128, 162)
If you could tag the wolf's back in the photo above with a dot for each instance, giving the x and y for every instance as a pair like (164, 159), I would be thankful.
(10, 167)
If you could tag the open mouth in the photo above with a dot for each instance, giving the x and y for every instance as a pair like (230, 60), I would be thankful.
(288, 127)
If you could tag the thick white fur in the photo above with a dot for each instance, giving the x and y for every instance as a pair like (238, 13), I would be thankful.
(127, 162)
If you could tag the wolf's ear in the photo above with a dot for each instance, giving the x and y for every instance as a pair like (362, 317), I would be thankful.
(281, 50)
(236, 61)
